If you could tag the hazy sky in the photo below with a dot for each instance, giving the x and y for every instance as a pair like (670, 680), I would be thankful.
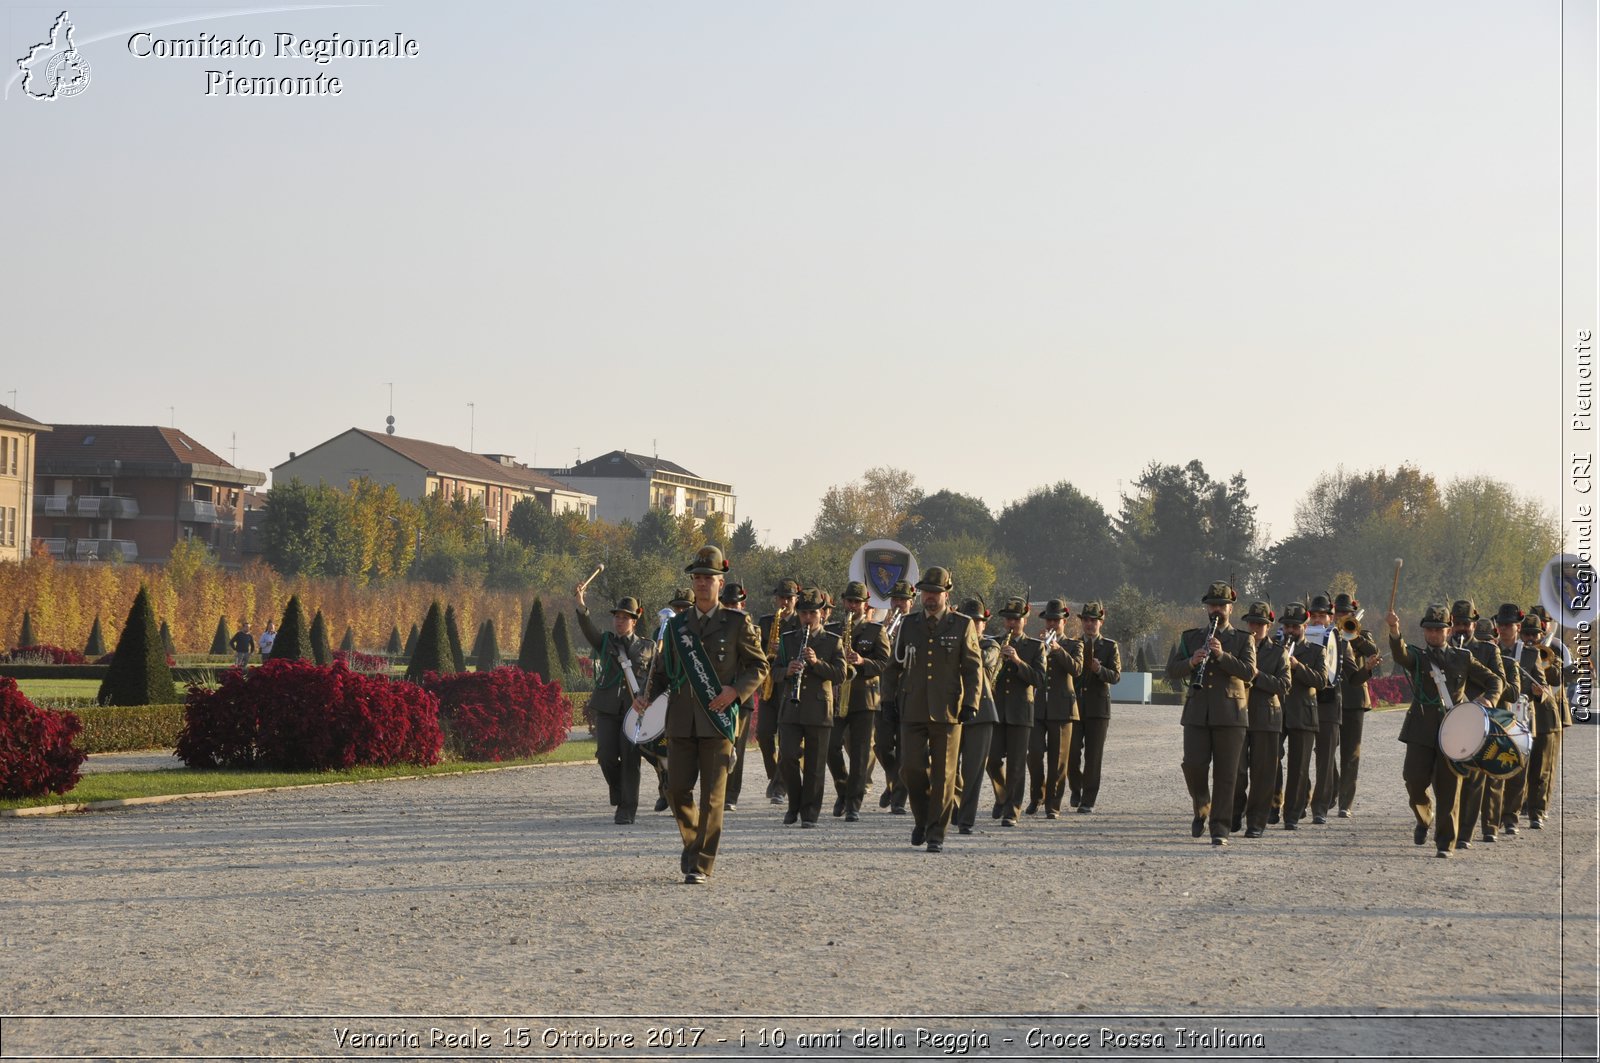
(998, 245)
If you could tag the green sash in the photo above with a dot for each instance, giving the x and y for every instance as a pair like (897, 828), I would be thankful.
(687, 662)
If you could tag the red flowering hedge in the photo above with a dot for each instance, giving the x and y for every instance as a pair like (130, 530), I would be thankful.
(1390, 690)
(300, 716)
(500, 714)
(366, 663)
(37, 755)
(42, 654)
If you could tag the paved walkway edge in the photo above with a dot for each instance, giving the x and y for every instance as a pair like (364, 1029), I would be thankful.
(161, 799)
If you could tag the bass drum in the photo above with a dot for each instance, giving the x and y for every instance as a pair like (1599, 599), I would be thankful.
(648, 729)
(1464, 731)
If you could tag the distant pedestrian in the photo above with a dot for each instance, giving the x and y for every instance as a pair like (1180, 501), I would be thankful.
(243, 645)
(268, 637)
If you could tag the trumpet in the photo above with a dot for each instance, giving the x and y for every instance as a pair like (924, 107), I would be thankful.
(1350, 626)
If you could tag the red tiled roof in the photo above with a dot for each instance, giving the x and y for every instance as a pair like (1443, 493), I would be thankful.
(452, 461)
(124, 442)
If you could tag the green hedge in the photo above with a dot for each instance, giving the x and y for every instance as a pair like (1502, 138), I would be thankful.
(124, 728)
(55, 671)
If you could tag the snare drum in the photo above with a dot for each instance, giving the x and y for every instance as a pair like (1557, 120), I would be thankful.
(1492, 740)
(1464, 731)
(647, 729)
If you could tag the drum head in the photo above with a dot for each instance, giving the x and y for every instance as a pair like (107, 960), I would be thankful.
(642, 728)
(1464, 730)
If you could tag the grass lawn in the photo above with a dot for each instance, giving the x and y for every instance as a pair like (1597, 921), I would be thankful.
(118, 785)
(48, 691)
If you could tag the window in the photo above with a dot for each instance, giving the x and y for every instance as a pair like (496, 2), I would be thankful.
(11, 528)
(5, 450)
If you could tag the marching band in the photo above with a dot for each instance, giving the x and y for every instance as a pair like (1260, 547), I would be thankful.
(1272, 721)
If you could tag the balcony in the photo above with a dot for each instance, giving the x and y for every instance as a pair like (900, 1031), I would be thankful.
(52, 505)
(54, 547)
(196, 511)
(105, 550)
(107, 506)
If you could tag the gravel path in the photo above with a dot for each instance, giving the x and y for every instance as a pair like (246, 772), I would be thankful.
(513, 895)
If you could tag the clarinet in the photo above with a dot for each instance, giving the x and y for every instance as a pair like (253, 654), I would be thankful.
(799, 680)
(1199, 679)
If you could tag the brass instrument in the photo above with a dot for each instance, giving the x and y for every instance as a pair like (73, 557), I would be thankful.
(1350, 626)
(842, 709)
(772, 652)
(891, 624)
(1199, 678)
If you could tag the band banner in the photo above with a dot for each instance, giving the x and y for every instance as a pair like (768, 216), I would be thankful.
(687, 662)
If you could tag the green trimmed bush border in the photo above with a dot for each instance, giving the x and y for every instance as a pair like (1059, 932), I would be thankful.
(127, 728)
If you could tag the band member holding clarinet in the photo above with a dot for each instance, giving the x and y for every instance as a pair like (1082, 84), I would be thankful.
(1055, 711)
(977, 734)
(1330, 699)
(1258, 766)
(622, 662)
(1102, 667)
(856, 714)
(1309, 672)
(886, 740)
(1022, 672)
(1439, 675)
(936, 665)
(1218, 662)
(733, 597)
(771, 628)
(810, 661)
(710, 665)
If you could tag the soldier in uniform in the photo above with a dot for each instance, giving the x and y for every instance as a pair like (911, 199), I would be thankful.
(1258, 766)
(1021, 673)
(811, 661)
(1054, 712)
(1309, 672)
(937, 675)
(1102, 667)
(1549, 707)
(1216, 712)
(1355, 700)
(1430, 667)
(1477, 792)
(783, 599)
(977, 734)
(1503, 802)
(733, 597)
(855, 719)
(613, 697)
(886, 741)
(708, 647)
(1330, 711)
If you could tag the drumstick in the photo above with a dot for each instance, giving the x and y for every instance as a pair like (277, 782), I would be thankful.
(585, 584)
(1395, 590)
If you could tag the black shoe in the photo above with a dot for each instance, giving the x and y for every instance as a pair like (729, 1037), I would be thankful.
(1052, 814)
(685, 862)
(808, 823)
(777, 800)
(790, 818)
(1462, 843)
(887, 797)
(1510, 828)
(1085, 808)
(1033, 807)
(1254, 832)
(1273, 817)
(1536, 823)
(1290, 824)
(1419, 836)
(1219, 841)
(838, 806)
(1236, 825)
(995, 812)
(730, 807)
(1344, 813)
(1487, 837)
(851, 815)
(1075, 798)
(1198, 827)
(919, 835)
(622, 818)
(1443, 854)
(1319, 819)
(661, 804)
(695, 878)
(964, 829)
(1008, 822)
(935, 847)
(898, 810)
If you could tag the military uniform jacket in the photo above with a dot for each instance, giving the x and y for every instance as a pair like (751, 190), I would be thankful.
(615, 698)
(815, 682)
(1346, 664)
(1459, 666)
(1489, 655)
(1225, 699)
(990, 649)
(1063, 665)
(1269, 687)
(937, 666)
(736, 656)
(1014, 686)
(1094, 688)
(1545, 711)
(1353, 683)
(868, 640)
(1308, 674)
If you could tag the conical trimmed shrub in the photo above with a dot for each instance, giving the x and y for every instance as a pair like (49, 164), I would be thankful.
(139, 674)
(348, 643)
(294, 635)
(221, 638)
(487, 653)
(394, 646)
(411, 642)
(96, 646)
(562, 642)
(535, 653)
(1140, 662)
(453, 634)
(25, 636)
(433, 648)
(321, 651)
(166, 640)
